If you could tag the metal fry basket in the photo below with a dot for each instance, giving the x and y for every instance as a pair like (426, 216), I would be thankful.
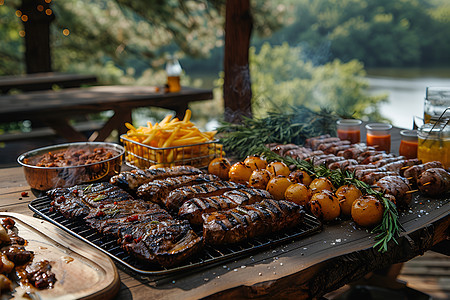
(143, 156)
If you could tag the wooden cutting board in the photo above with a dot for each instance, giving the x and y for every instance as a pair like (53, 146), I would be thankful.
(81, 270)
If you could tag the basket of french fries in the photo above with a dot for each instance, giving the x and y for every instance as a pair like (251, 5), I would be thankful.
(168, 143)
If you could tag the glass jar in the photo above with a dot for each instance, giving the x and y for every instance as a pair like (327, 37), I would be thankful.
(379, 136)
(437, 100)
(349, 129)
(408, 144)
(434, 143)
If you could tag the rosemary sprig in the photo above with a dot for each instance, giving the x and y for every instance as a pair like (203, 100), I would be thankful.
(294, 125)
(389, 228)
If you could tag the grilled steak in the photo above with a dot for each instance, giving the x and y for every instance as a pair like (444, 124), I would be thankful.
(166, 242)
(142, 228)
(194, 208)
(157, 190)
(244, 222)
(76, 202)
(178, 196)
(131, 180)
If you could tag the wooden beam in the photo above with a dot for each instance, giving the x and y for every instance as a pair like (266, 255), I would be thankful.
(237, 90)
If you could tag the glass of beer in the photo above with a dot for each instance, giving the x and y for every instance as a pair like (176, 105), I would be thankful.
(349, 129)
(437, 99)
(379, 136)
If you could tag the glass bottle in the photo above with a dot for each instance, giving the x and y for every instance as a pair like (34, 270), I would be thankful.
(173, 70)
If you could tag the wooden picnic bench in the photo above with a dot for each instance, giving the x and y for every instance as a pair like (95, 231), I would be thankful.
(56, 108)
(44, 81)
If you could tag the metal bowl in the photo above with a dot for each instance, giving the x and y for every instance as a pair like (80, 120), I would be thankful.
(45, 178)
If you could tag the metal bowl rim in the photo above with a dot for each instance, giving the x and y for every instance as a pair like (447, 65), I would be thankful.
(35, 152)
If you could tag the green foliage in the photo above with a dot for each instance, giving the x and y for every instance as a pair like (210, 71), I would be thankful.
(281, 77)
(376, 32)
(11, 45)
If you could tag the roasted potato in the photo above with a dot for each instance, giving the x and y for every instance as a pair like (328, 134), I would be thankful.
(278, 168)
(367, 211)
(255, 162)
(321, 184)
(325, 205)
(277, 186)
(240, 173)
(220, 167)
(298, 193)
(347, 194)
(259, 179)
(300, 177)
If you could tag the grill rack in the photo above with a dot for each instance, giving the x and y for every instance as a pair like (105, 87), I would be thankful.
(209, 255)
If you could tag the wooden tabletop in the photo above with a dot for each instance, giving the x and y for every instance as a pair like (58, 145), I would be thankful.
(304, 268)
(44, 81)
(56, 107)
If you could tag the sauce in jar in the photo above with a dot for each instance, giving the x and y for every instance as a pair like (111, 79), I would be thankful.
(408, 144)
(350, 135)
(434, 144)
(349, 129)
(379, 136)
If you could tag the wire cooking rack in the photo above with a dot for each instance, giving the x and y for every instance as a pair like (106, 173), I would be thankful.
(209, 255)
(143, 156)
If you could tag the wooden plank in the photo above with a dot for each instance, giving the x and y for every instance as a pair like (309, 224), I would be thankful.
(44, 81)
(305, 268)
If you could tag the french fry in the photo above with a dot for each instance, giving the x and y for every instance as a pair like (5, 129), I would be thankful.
(172, 139)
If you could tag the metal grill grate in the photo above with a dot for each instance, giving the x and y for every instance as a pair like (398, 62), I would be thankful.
(209, 254)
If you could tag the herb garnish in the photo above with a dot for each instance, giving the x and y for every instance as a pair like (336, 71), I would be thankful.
(293, 126)
(387, 230)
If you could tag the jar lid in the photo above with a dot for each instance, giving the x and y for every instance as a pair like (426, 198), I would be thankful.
(409, 135)
(437, 93)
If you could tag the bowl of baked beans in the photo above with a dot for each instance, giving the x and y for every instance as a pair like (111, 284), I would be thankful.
(66, 165)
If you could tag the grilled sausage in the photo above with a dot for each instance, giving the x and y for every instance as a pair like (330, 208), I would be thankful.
(413, 172)
(434, 182)
(398, 187)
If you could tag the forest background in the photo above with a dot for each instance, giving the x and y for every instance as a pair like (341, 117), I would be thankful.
(304, 52)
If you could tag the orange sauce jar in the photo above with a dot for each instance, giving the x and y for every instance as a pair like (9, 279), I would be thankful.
(408, 144)
(379, 136)
(349, 129)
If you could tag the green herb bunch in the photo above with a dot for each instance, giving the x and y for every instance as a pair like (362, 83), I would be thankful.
(293, 126)
(389, 228)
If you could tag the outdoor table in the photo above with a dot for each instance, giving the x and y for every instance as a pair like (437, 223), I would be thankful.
(301, 269)
(55, 108)
(44, 81)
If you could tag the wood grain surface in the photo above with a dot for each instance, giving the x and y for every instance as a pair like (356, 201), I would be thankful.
(303, 269)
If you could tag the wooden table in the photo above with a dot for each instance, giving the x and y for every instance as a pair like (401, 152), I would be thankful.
(44, 81)
(55, 108)
(302, 269)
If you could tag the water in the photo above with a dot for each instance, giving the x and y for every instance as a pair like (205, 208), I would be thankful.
(406, 90)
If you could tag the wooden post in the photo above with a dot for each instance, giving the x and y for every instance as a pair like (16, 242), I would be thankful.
(237, 91)
(36, 17)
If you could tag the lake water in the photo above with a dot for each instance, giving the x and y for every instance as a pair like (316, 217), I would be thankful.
(406, 96)
(405, 89)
